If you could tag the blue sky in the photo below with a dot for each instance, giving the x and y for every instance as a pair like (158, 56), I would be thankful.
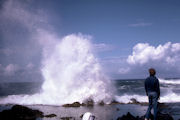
(116, 27)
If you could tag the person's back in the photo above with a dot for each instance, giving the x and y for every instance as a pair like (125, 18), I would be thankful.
(152, 85)
(153, 92)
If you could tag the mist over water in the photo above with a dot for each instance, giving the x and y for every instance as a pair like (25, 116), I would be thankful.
(128, 89)
(69, 67)
(71, 73)
(53, 94)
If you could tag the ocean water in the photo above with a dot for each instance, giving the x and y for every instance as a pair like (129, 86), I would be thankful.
(71, 73)
(134, 88)
(19, 88)
(15, 93)
(125, 90)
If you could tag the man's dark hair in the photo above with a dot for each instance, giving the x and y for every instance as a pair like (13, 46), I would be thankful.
(152, 71)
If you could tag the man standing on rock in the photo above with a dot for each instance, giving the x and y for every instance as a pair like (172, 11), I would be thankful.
(153, 93)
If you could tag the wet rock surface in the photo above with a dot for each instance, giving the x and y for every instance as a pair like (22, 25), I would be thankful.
(128, 117)
(101, 103)
(160, 116)
(75, 104)
(114, 102)
(18, 112)
(50, 115)
(67, 118)
(88, 103)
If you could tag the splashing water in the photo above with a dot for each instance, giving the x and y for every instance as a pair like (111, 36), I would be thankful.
(71, 73)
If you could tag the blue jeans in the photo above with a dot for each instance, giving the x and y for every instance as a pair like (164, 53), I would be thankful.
(153, 98)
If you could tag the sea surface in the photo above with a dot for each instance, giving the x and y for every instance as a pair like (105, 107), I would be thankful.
(19, 88)
(134, 88)
(125, 89)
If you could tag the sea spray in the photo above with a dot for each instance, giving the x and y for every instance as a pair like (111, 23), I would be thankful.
(71, 73)
(171, 81)
(134, 89)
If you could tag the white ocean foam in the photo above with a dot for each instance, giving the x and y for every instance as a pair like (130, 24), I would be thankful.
(127, 98)
(71, 73)
(170, 81)
(168, 98)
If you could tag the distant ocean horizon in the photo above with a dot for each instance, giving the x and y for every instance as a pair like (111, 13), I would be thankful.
(126, 89)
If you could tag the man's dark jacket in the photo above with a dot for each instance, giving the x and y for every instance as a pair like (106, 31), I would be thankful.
(152, 85)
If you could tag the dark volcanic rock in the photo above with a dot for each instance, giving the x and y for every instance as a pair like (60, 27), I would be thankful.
(114, 102)
(50, 115)
(81, 116)
(101, 103)
(159, 117)
(89, 103)
(75, 104)
(134, 101)
(127, 117)
(164, 117)
(67, 118)
(18, 112)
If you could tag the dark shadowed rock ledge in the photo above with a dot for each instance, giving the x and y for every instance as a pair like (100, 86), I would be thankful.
(87, 103)
(67, 118)
(159, 117)
(75, 104)
(19, 112)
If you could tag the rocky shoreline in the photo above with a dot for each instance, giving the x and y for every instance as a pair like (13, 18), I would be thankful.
(90, 103)
(19, 112)
(160, 116)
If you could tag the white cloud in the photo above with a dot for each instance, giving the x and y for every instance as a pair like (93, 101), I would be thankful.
(124, 70)
(17, 11)
(141, 24)
(165, 58)
(35, 23)
(144, 53)
(101, 47)
(175, 47)
(25, 32)
(30, 66)
(10, 69)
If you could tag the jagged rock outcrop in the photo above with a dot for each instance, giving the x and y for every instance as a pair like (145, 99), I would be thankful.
(19, 112)
(160, 116)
